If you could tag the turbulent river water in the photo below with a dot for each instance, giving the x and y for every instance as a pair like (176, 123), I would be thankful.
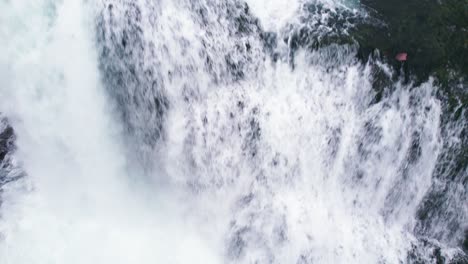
(202, 131)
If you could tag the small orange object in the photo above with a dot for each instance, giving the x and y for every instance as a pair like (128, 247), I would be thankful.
(401, 56)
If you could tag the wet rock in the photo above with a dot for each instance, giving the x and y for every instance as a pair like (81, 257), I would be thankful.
(6, 142)
(432, 33)
(9, 172)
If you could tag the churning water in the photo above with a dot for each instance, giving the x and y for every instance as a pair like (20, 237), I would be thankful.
(204, 131)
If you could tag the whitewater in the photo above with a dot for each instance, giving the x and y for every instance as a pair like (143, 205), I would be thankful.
(200, 131)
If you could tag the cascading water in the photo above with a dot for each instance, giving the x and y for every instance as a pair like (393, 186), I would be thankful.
(206, 131)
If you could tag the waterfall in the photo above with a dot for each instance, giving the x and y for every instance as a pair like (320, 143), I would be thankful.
(207, 131)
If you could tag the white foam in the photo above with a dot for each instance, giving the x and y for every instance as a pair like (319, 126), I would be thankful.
(77, 203)
(274, 14)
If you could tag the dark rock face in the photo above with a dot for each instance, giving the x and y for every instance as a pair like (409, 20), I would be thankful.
(433, 33)
(8, 170)
(7, 138)
(6, 142)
